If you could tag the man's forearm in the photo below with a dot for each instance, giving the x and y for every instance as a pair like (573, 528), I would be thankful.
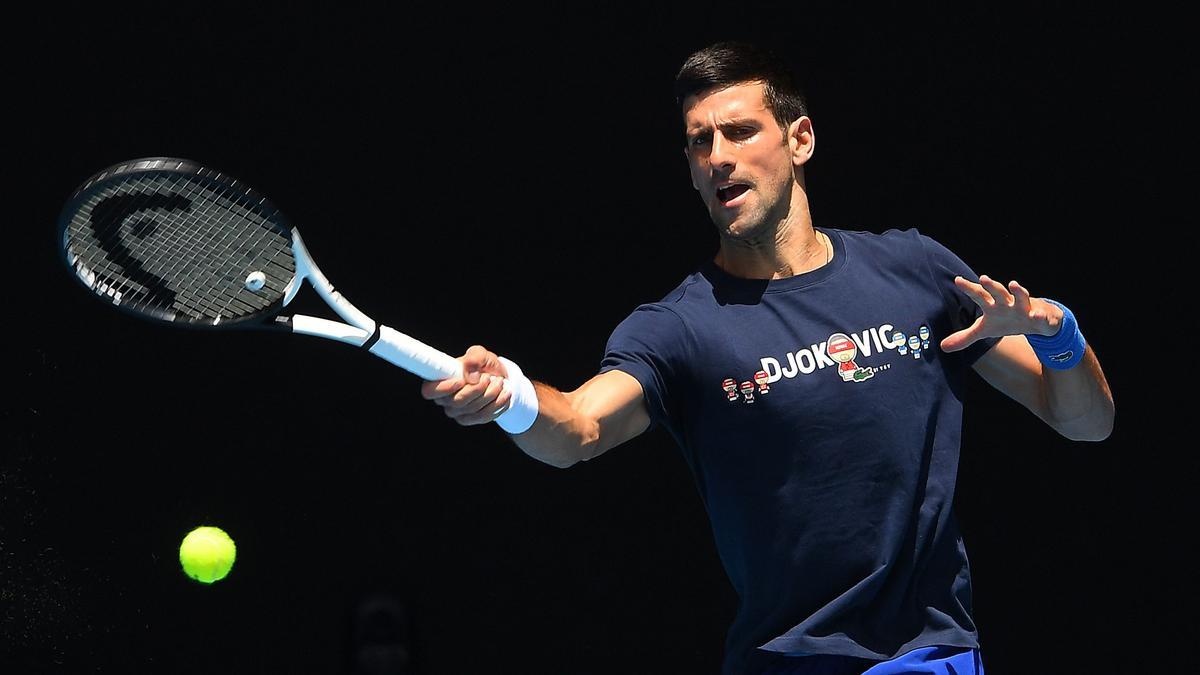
(560, 436)
(1078, 400)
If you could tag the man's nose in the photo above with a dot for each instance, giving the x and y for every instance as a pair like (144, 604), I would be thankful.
(721, 154)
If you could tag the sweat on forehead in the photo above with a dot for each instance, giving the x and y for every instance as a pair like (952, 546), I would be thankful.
(734, 93)
(731, 105)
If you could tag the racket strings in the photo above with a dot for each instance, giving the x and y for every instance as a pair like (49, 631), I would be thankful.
(225, 225)
(210, 233)
(184, 243)
(150, 273)
(137, 282)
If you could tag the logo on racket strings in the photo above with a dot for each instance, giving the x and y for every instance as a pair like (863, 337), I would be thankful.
(97, 284)
(111, 221)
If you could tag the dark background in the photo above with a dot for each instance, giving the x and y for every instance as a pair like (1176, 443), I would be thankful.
(515, 179)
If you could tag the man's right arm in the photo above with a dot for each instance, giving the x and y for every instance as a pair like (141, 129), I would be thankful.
(570, 427)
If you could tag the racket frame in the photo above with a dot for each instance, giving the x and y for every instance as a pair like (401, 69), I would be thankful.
(359, 330)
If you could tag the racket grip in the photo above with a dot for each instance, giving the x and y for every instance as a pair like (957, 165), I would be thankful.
(415, 356)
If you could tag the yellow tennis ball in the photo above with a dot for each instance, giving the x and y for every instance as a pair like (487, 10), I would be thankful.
(207, 554)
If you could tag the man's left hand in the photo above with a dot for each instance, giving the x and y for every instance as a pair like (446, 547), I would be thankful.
(1006, 311)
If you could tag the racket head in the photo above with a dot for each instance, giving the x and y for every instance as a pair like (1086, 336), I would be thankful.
(169, 240)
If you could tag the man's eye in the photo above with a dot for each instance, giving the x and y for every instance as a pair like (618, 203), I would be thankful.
(699, 140)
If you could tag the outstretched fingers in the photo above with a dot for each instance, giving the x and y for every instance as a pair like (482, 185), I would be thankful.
(963, 338)
(1007, 310)
(1022, 300)
(999, 293)
(975, 291)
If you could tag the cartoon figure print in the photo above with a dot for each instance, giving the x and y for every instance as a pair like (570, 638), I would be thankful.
(841, 349)
(761, 378)
(731, 389)
(914, 344)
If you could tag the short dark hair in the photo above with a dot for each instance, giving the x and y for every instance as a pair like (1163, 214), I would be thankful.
(725, 64)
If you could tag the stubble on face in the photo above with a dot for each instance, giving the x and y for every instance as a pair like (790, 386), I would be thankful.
(760, 163)
(760, 223)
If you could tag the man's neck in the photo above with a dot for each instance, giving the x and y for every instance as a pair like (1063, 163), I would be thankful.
(795, 250)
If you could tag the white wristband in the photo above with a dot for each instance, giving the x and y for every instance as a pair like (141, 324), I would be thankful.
(523, 408)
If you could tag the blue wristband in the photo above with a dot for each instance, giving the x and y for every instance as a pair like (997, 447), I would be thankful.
(1063, 349)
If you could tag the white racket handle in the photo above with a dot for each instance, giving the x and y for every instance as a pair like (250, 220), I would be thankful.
(415, 356)
(427, 363)
(431, 364)
(392, 346)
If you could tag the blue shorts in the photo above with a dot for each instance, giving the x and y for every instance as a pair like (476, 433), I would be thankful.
(928, 660)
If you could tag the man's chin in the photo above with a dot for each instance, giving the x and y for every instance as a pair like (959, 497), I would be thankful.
(738, 230)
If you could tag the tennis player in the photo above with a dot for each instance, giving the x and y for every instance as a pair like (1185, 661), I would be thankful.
(812, 378)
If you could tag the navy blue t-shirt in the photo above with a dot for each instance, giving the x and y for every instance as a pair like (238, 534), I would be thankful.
(821, 422)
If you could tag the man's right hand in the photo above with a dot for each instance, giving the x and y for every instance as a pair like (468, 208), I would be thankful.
(604, 412)
(481, 398)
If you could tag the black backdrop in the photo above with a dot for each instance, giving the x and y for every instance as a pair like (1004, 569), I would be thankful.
(514, 178)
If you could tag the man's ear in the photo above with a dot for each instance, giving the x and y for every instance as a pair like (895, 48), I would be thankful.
(801, 140)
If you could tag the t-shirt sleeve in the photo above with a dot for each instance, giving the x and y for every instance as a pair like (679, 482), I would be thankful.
(961, 310)
(649, 345)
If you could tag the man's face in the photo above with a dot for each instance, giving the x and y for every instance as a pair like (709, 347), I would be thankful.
(739, 158)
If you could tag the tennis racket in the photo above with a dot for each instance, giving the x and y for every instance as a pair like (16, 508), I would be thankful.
(171, 241)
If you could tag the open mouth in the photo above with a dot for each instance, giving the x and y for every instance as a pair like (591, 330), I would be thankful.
(729, 194)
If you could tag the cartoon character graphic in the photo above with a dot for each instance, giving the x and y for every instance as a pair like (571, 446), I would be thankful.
(731, 389)
(914, 343)
(841, 349)
(748, 391)
(923, 331)
(903, 340)
(761, 378)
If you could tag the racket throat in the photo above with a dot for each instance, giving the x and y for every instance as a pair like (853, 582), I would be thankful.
(306, 268)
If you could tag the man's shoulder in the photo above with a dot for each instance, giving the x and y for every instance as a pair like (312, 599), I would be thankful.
(893, 236)
(894, 244)
(668, 315)
(686, 289)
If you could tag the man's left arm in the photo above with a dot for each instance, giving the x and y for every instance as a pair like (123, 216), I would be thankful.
(1075, 401)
